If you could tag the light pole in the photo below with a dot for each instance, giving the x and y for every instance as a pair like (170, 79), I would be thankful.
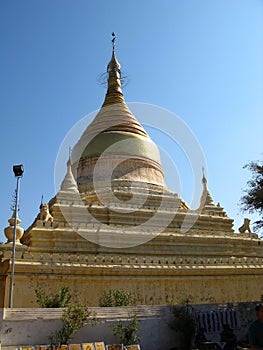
(18, 171)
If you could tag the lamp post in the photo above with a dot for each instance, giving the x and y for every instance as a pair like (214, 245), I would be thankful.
(18, 171)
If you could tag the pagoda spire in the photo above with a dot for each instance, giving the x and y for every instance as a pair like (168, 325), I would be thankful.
(207, 205)
(115, 137)
(114, 93)
(206, 198)
(69, 183)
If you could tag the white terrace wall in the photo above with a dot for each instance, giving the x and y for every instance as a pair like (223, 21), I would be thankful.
(33, 326)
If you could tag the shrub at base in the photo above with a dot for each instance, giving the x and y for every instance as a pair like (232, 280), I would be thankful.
(74, 317)
(128, 332)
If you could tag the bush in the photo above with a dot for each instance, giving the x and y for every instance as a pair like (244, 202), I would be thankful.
(115, 297)
(61, 299)
(128, 332)
(74, 317)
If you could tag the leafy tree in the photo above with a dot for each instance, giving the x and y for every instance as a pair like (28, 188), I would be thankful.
(115, 297)
(74, 317)
(252, 201)
(128, 331)
(61, 299)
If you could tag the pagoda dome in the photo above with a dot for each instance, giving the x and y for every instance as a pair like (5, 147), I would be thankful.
(117, 140)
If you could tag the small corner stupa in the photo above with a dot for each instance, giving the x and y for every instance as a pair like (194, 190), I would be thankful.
(114, 224)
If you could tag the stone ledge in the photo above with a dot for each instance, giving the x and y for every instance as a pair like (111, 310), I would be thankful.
(103, 313)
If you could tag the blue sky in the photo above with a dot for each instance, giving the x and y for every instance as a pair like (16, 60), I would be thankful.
(200, 59)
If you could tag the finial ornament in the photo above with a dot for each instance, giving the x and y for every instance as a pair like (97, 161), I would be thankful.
(114, 94)
(9, 231)
(204, 178)
(42, 197)
(69, 157)
(113, 40)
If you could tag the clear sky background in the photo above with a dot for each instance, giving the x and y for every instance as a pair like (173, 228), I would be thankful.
(200, 59)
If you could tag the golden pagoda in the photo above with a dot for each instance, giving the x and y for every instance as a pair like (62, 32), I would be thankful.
(114, 224)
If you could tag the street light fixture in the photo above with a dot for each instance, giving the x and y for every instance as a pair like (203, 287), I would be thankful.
(18, 172)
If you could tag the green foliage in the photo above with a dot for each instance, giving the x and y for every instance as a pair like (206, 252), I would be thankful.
(184, 300)
(252, 201)
(74, 317)
(128, 331)
(61, 299)
(115, 297)
(183, 321)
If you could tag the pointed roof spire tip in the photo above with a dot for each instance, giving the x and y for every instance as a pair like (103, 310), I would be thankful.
(114, 94)
(204, 180)
(41, 202)
(69, 157)
(113, 40)
(113, 65)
